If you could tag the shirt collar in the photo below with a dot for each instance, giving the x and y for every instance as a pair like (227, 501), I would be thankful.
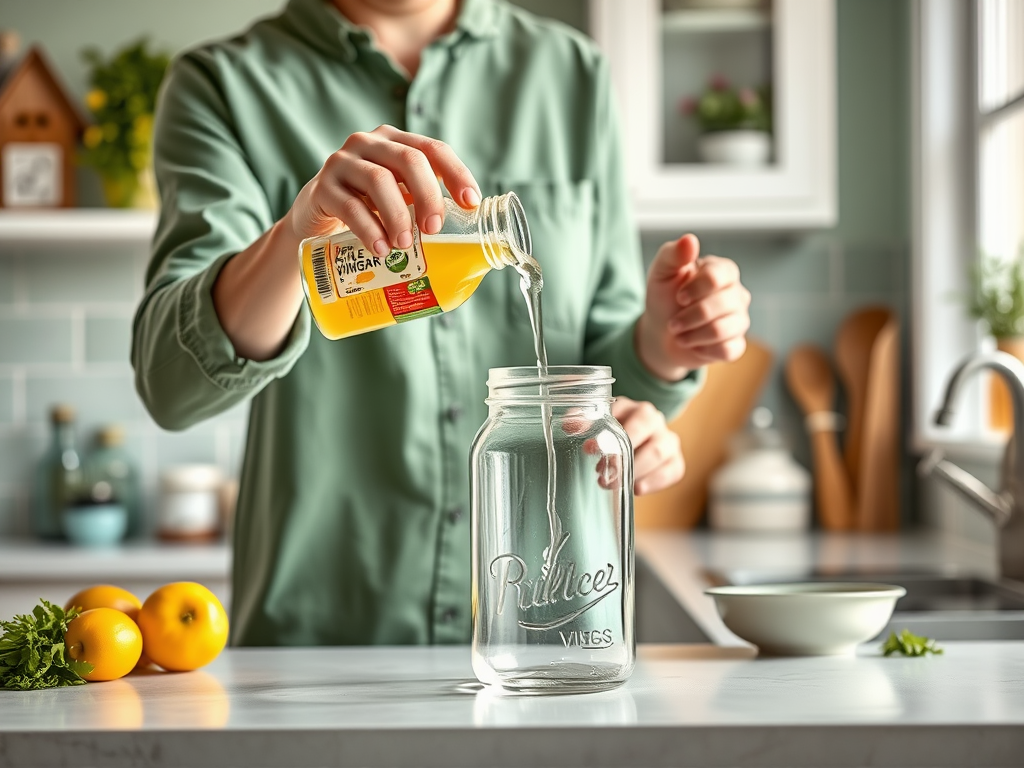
(320, 23)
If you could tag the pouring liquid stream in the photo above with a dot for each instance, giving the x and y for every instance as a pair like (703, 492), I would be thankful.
(531, 283)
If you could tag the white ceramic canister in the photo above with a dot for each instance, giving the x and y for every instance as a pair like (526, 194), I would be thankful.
(761, 487)
(190, 502)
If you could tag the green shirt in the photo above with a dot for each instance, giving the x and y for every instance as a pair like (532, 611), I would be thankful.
(352, 524)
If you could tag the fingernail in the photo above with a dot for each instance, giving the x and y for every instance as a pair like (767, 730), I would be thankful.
(404, 239)
(640, 489)
(432, 225)
(380, 247)
(471, 197)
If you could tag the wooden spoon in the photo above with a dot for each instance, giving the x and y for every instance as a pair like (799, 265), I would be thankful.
(809, 377)
(878, 494)
(855, 340)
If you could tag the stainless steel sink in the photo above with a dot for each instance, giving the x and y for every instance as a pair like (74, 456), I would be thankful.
(942, 606)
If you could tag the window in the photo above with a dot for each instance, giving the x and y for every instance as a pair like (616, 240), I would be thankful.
(968, 193)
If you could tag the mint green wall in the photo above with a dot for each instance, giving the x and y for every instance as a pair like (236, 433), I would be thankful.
(803, 285)
(65, 317)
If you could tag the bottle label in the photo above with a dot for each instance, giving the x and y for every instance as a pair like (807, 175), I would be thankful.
(397, 284)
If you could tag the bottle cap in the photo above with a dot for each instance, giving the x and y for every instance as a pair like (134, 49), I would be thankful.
(111, 436)
(62, 413)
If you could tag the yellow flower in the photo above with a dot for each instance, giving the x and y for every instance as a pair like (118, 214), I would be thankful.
(142, 127)
(93, 136)
(96, 99)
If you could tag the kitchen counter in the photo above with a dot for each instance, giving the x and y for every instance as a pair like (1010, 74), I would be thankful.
(682, 559)
(697, 705)
(31, 569)
(31, 559)
(700, 704)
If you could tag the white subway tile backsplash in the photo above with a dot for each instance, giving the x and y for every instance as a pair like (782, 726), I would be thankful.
(26, 338)
(96, 397)
(107, 339)
(7, 267)
(195, 445)
(80, 278)
(6, 400)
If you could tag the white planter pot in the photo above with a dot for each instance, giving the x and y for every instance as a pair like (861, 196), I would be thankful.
(746, 148)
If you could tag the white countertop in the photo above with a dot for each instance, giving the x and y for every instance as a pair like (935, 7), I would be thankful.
(685, 704)
(696, 705)
(34, 560)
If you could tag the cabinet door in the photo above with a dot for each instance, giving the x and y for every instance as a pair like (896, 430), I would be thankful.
(663, 50)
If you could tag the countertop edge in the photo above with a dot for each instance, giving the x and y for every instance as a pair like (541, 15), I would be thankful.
(700, 745)
(28, 560)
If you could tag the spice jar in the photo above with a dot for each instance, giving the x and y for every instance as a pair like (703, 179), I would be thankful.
(552, 528)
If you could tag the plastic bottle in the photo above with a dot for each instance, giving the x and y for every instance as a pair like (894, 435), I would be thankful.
(352, 290)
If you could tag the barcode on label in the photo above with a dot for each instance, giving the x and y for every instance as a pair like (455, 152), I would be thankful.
(320, 273)
(368, 304)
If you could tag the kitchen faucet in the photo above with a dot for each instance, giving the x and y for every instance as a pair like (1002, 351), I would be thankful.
(1005, 508)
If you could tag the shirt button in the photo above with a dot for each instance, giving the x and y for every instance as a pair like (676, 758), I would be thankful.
(453, 412)
(454, 515)
(448, 616)
(417, 109)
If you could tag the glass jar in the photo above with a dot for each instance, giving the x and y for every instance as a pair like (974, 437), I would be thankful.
(351, 289)
(552, 527)
(111, 463)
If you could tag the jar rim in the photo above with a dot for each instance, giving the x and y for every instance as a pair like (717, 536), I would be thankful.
(561, 382)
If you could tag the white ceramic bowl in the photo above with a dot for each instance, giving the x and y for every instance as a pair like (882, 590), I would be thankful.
(812, 619)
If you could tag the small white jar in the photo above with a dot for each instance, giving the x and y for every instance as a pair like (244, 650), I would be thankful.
(190, 503)
(761, 487)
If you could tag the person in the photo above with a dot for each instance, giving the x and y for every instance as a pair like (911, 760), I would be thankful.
(352, 524)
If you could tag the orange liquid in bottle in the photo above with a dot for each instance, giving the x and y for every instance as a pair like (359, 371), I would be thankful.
(352, 291)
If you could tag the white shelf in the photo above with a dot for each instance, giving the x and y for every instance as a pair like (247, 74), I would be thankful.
(88, 225)
(703, 20)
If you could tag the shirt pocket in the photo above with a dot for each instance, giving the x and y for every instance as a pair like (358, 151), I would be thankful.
(560, 216)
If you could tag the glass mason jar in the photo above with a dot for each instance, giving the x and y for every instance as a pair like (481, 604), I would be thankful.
(351, 290)
(552, 527)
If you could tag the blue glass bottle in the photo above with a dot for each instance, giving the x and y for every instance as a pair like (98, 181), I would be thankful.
(58, 475)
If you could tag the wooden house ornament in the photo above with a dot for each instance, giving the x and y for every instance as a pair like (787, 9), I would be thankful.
(39, 131)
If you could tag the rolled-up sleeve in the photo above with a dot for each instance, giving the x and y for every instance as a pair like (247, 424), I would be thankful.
(619, 298)
(212, 207)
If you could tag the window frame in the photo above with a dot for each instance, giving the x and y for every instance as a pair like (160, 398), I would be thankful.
(947, 123)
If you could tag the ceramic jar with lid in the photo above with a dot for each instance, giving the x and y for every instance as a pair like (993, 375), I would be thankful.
(761, 487)
(190, 503)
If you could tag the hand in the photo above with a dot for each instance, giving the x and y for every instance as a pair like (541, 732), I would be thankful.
(697, 311)
(657, 457)
(359, 187)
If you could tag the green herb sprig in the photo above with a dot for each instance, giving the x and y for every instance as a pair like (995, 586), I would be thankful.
(32, 652)
(909, 644)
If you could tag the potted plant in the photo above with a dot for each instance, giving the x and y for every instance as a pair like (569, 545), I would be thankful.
(122, 101)
(735, 123)
(997, 299)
